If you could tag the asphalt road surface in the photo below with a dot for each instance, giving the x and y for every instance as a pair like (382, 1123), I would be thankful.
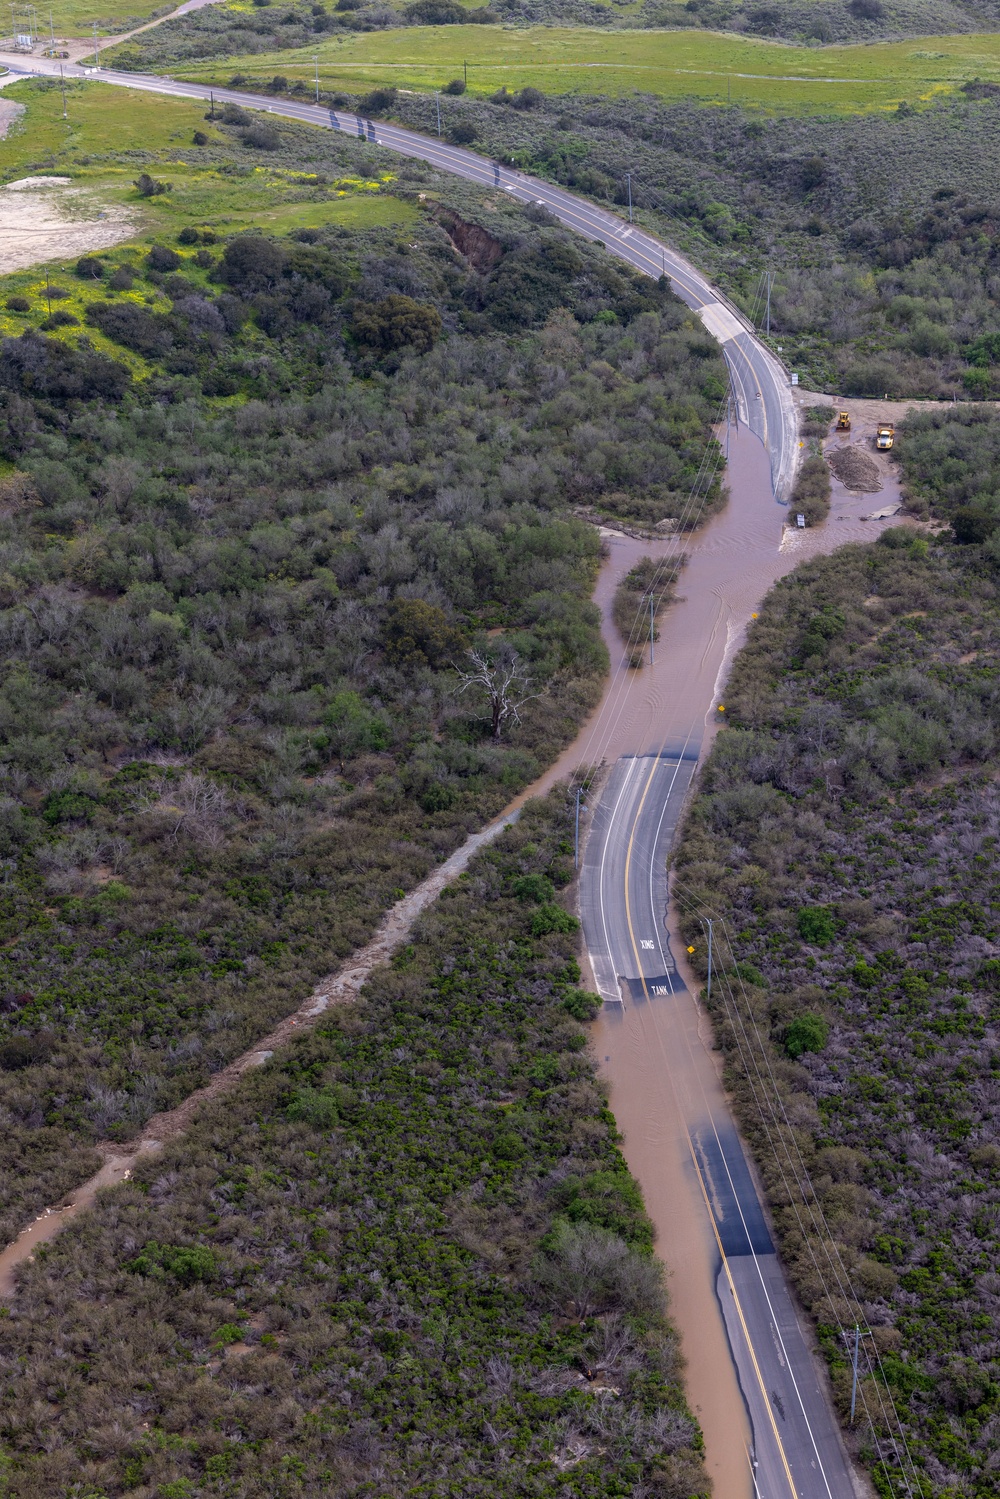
(797, 1452)
(759, 383)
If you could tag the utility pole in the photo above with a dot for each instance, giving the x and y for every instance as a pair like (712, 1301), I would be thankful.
(576, 835)
(768, 275)
(97, 50)
(316, 61)
(708, 992)
(211, 104)
(652, 624)
(854, 1362)
(52, 31)
(437, 101)
(628, 179)
(62, 85)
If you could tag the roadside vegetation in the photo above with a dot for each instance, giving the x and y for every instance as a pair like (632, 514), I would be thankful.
(406, 1256)
(640, 599)
(891, 292)
(278, 513)
(846, 831)
(70, 18)
(874, 293)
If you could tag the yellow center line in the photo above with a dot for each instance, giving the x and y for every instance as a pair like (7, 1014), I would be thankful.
(743, 1324)
(694, 1158)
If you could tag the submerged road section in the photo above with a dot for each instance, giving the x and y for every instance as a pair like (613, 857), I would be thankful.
(760, 386)
(794, 1449)
(759, 1389)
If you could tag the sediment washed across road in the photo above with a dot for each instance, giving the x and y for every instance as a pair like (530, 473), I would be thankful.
(755, 1380)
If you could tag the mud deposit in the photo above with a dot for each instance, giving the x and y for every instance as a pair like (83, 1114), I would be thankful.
(659, 1063)
(855, 469)
(47, 218)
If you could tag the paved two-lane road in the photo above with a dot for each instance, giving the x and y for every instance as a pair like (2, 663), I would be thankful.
(760, 385)
(796, 1448)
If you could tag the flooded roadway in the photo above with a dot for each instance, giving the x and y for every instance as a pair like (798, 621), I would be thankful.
(663, 1075)
(659, 1064)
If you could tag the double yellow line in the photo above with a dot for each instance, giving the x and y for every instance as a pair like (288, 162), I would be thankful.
(691, 1150)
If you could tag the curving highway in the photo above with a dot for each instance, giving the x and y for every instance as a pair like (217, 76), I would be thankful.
(759, 382)
(794, 1449)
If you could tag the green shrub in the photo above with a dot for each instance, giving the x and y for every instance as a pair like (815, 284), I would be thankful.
(583, 1005)
(816, 925)
(748, 973)
(974, 524)
(319, 1107)
(533, 887)
(68, 805)
(396, 323)
(552, 918)
(148, 187)
(187, 1264)
(806, 1033)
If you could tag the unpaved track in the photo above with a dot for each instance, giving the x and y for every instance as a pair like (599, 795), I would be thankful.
(340, 987)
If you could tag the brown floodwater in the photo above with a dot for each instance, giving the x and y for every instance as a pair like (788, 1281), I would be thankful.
(658, 1061)
(732, 562)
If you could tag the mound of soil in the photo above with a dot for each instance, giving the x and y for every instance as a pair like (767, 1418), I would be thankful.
(855, 469)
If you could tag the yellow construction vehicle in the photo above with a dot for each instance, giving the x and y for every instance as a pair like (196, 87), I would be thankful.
(843, 422)
(885, 436)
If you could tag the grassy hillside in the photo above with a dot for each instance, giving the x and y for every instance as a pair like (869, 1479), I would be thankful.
(883, 277)
(76, 17)
(846, 833)
(668, 64)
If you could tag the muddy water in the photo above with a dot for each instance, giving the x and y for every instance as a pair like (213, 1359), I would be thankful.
(659, 1062)
(733, 561)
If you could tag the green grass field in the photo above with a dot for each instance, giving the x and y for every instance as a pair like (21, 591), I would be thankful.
(76, 17)
(101, 119)
(673, 64)
(105, 122)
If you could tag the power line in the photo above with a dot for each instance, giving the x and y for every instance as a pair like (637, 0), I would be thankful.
(804, 1191)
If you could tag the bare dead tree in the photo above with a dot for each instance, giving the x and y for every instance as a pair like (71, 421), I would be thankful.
(504, 681)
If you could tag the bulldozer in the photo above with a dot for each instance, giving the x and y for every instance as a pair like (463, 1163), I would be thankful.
(843, 422)
(885, 436)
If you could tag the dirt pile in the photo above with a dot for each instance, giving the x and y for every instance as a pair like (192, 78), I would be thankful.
(855, 469)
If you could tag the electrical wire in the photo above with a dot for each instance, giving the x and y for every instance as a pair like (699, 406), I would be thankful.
(803, 1184)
